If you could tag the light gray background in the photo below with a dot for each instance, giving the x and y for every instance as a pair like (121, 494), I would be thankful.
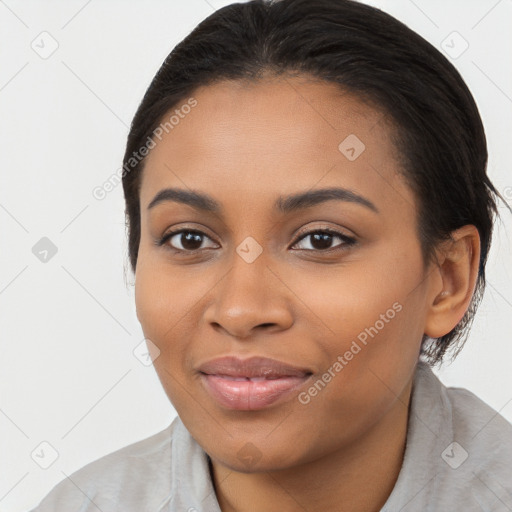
(68, 326)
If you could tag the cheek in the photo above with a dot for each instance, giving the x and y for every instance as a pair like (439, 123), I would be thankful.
(375, 321)
(163, 295)
(365, 294)
(159, 308)
(150, 302)
(167, 301)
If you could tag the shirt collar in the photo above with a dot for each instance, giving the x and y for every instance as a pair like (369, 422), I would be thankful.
(429, 431)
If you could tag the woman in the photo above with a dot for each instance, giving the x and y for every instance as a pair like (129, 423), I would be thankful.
(309, 219)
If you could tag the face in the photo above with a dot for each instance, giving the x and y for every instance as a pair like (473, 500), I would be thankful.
(332, 284)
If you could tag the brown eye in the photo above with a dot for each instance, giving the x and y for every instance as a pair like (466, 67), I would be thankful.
(321, 240)
(185, 240)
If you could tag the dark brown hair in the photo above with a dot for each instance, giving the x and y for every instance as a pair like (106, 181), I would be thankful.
(369, 53)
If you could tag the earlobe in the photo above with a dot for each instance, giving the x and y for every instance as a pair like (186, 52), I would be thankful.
(458, 267)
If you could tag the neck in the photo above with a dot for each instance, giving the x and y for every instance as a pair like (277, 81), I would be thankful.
(359, 477)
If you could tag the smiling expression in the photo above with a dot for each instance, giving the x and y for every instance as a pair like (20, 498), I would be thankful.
(267, 170)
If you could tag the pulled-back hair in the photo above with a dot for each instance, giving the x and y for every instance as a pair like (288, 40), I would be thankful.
(439, 135)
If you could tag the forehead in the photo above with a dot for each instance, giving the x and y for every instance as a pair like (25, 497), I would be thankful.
(249, 141)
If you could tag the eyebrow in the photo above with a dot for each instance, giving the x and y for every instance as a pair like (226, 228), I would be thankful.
(283, 204)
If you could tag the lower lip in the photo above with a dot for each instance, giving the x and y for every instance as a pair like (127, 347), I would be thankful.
(247, 395)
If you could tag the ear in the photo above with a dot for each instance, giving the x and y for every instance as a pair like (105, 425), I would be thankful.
(458, 261)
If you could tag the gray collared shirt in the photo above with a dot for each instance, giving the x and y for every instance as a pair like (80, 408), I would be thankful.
(458, 457)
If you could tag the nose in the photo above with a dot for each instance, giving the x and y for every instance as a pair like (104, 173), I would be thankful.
(249, 298)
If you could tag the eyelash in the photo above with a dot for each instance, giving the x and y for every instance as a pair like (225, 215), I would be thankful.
(347, 241)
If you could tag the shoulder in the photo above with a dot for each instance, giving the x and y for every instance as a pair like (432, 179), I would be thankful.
(483, 433)
(458, 453)
(477, 460)
(115, 478)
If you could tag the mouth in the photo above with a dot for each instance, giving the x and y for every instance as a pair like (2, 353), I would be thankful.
(251, 384)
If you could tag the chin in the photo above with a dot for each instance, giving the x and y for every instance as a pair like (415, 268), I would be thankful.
(234, 464)
(249, 459)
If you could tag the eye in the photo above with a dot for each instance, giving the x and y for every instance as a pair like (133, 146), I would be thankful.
(321, 240)
(190, 240)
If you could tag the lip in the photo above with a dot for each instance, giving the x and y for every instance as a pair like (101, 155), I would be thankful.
(250, 384)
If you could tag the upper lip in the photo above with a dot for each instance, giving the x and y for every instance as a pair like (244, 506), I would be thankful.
(233, 366)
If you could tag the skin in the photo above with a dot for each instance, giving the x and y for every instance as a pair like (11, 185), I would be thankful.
(246, 144)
